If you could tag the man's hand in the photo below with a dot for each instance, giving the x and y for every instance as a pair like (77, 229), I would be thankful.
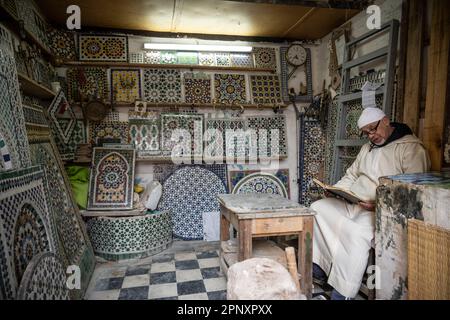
(370, 206)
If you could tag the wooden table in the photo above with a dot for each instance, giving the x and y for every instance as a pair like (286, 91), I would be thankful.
(264, 215)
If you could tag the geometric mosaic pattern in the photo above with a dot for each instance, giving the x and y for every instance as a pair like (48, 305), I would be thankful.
(187, 194)
(279, 176)
(219, 146)
(223, 59)
(92, 82)
(197, 90)
(265, 58)
(145, 136)
(271, 131)
(62, 117)
(206, 59)
(230, 88)
(62, 44)
(44, 279)
(260, 183)
(265, 89)
(162, 85)
(169, 57)
(179, 125)
(26, 226)
(112, 239)
(125, 85)
(241, 60)
(187, 57)
(112, 179)
(103, 48)
(108, 131)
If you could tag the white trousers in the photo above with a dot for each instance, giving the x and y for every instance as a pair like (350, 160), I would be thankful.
(342, 239)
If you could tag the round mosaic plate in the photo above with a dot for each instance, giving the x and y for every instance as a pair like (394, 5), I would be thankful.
(260, 183)
(187, 193)
(44, 279)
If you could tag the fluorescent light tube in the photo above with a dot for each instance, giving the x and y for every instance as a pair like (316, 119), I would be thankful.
(196, 47)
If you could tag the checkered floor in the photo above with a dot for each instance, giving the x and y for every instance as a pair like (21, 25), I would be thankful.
(187, 275)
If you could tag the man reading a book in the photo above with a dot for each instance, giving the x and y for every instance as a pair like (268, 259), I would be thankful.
(343, 232)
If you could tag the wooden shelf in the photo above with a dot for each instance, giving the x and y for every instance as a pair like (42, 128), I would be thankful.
(32, 88)
(160, 66)
(165, 159)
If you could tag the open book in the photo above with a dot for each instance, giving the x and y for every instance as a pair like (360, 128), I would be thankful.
(340, 193)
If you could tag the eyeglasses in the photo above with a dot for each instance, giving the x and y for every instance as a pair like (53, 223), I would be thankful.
(371, 131)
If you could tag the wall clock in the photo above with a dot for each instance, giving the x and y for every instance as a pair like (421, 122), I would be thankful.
(296, 55)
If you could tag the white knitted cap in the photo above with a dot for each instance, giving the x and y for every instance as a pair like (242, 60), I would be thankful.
(370, 115)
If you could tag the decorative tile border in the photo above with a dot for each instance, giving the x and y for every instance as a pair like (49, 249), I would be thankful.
(260, 183)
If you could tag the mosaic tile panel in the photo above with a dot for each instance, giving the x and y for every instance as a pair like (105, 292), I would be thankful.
(62, 44)
(44, 279)
(162, 85)
(152, 57)
(187, 58)
(282, 175)
(312, 152)
(274, 140)
(103, 48)
(12, 124)
(125, 85)
(137, 57)
(197, 90)
(74, 242)
(242, 60)
(260, 183)
(27, 228)
(168, 57)
(32, 21)
(92, 82)
(218, 145)
(108, 131)
(112, 179)
(330, 141)
(145, 135)
(10, 6)
(5, 161)
(187, 194)
(206, 59)
(266, 89)
(223, 59)
(171, 124)
(62, 117)
(230, 88)
(265, 58)
(111, 239)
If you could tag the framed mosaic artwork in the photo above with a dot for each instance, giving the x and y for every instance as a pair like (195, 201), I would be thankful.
(62, 117)
(223, 59)
(197, 89)
(62, 44)
(187, 58)
(152, 233)
(206, 59)
(125, 85)
(271, 135)
(91, 82)
(112, 179)
(108, 131)
(188, 193)
(265, 58)
(162, 85)
(137, 57)
(230, 88)
(219, 145)
(189, 123)
(145, 136)
(152, 57)
(103, 48)
(44, 279)
(168, 57)
(262, 182)
(241, 60)
(265, 89)
(25, 222)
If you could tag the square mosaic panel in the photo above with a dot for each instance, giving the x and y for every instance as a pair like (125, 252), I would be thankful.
(74, 245)
(33, 21)
(242, 60)
(162, 85)
(230, 88)
(35, 121)
(223, 59)
(197, 90)
(62, 44)
(12, 124)
(103, 48)
(274, 140)
(26, 227)
(152, 57)
(266, 89)
(187, 58)
(186, 123)
(169, 57)
(206, 59)
(89, 81)
(112, 179)
(145, 135)
(137, 57)
(125, 85)
(265, 58)
(218, 145)
(62, 117)
(108, 130)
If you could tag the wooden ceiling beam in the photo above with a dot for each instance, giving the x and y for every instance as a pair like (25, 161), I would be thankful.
(335, 4)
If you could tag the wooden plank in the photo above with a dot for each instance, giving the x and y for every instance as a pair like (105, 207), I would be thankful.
(245, 240)
(305, 247)
(414, 62)
(224, 224)
(276, 225)
(130, 213)
(437, 82)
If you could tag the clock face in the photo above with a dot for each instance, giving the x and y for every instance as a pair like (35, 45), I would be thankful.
(296, 55)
